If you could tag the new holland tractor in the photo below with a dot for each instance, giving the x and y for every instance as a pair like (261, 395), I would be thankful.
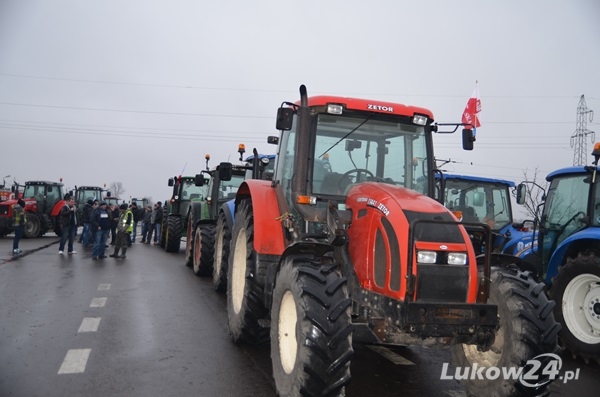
(567, 254)
(356, 249)
(263, 167)
(487, 200)
(43, 201)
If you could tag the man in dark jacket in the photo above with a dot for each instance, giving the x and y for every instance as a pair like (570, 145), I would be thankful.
(158, 220)
(69, 226)
(101, 224)
(86, 213)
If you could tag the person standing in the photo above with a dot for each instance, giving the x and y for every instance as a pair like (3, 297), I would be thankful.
(124, 229)
(138, 214)
(146, 224)
(101, 224)
(113, 213)
(92, 235)
(152, 228)
(86, 214)
(18, 224)
(69, 226)
(158, 222)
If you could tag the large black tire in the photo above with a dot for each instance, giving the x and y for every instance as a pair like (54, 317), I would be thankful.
(527, 329)
(189, 242)
(222, 246)
(33, 225)
(204, 249)
(311, 330)
(172, 234)
(576, 291)
(245, 301)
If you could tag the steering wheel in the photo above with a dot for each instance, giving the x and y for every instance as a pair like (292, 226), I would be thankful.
(562, 229)
(358, 172)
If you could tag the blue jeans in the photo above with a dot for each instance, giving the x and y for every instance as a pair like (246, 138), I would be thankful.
(68, 232)
(18, 234)
(101, 236)
(145, 227)
(134, 233)
(85, 234)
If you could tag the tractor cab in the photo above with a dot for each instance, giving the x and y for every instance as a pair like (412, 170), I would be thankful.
(46, 194)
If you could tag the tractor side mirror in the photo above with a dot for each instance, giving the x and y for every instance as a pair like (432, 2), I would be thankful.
(467, 139)
(199, 180)
(521, 193)
(273, 140)
(285, 118)
(171, 182)
(225, 171)
(478, 199)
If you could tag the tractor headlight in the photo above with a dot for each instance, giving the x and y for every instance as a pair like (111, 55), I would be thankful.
(426, 256)
(457, 258)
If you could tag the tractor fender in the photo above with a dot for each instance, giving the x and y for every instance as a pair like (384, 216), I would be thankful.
(228, 209)
(195, 211)
(56, 209)
(268, 231)
(587, 239)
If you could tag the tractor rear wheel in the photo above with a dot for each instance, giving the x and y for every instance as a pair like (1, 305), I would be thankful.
(189, 242)
(311, 329)
(204, 249)
(245, 307)
(526, 331)
(576, 291)
(222, 246)
(32, 225)
(172, 234)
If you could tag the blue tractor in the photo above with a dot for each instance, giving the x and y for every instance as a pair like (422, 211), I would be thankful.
(566, 254)
(262, 167)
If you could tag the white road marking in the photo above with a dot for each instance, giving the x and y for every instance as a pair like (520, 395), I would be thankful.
(456, 393)
(75, 361)
(89, 324)
(98, 302)
(103, 287)
(390, 355)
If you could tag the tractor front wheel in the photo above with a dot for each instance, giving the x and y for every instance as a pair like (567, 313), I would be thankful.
(172, 234)
(527, 330)
(576, 290)
(222, 246)
(204, 249)
(189, 242)
(245, 301)
(311, 330)
(32, 225)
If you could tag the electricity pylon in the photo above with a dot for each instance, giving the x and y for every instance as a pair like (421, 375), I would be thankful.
(578, 138)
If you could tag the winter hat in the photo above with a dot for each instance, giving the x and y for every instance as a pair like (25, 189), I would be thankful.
(123, 206)
(90, 202)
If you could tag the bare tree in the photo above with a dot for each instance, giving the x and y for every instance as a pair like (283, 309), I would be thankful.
(536, 192)
(116, 189)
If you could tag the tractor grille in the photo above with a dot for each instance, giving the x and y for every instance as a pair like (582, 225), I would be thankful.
(442, 283)
(442, 233)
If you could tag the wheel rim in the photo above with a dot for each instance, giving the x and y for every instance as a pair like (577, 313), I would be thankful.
(218, 253)
(581, 307)
(238, 278)
(288, 345)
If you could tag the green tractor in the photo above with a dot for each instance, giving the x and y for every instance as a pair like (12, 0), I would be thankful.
(202, 219)
(185, 192)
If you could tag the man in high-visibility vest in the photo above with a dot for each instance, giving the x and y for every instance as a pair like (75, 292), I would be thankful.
(124, 228)
(18, 224)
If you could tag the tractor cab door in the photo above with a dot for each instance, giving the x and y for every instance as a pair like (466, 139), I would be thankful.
(565, 212)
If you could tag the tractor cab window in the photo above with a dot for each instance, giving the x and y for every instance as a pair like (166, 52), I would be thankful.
(566, 203)
(596, 208)
(351, 150)
(189, 190)
(53, 195)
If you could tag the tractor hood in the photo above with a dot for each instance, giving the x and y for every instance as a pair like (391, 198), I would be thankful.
(384, 217)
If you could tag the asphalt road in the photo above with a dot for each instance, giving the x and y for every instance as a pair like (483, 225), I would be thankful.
(146, 326)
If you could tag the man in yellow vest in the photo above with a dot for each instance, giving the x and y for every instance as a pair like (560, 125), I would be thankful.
(124, 228)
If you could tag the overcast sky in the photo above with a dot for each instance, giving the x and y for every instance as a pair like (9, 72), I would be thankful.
(136, 91)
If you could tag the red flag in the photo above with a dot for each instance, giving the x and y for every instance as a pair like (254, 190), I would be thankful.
(473, 107)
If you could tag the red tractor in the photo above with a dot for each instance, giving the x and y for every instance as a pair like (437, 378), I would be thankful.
(348, 245)
(43, 201)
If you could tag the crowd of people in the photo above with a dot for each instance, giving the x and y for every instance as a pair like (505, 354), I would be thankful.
(100, 222)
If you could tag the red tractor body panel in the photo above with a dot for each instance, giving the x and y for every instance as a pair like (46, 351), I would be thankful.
(370, 105)
(370, 204)
(268, 234)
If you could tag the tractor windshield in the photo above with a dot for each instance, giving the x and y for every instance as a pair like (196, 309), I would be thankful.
(479, 201)
(83, 195)
(189, 190)
(351, 150)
